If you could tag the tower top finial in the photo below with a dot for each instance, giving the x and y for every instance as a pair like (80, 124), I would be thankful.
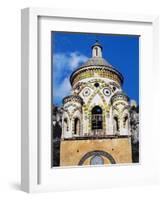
(97, 49)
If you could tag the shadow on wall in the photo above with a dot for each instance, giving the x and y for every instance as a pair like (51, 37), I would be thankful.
(134, 123)
(135, 152)
(57, 131)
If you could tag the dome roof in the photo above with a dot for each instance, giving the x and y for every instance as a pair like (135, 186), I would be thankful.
(73, 98)
(119, 95)
(96, 61)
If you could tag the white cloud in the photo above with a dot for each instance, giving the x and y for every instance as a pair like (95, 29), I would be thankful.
(60, 60)
(63, 66)
(62, 90)
(68, 61)
(76, 59)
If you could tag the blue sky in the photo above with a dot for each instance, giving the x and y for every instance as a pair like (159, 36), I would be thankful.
(70, 50)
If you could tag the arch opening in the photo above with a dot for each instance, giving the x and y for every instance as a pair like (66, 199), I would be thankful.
(97, 119)
(116, 124)
(76, 126)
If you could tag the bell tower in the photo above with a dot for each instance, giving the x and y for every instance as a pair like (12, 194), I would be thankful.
(96, 115)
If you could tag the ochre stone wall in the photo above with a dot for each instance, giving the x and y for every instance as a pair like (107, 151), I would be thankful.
(72, 151)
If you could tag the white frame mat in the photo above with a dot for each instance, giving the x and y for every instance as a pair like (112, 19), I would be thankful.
(36, 171)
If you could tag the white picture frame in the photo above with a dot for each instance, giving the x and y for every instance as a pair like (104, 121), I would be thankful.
(36, 172)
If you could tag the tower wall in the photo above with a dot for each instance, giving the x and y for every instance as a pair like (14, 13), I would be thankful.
(73, 151)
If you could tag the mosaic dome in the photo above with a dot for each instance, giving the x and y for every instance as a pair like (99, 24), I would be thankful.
(96, 62)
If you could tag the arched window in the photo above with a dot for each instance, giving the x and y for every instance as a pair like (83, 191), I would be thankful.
(116, 124)
(76, 126)
(96, 118)
(65, 125)
(96, 51)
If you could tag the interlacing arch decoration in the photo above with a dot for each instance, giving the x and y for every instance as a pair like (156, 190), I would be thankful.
(80, 86)
(121, 111)
(102, 83)
(71, 104)
(120, 103)
(74, 110)
(77, 108)
(125, 108)
(93, 95)
(85, 86)
(115, 108)
(115, 85)
(68, 113)
(90, 84)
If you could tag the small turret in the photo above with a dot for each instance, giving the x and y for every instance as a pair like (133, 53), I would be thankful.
(97, 50)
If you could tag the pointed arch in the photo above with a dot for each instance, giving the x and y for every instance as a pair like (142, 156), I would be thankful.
(76, 109)
(93, 95)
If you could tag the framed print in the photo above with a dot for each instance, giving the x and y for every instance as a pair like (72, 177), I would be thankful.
(87, 84)
(94, 122)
